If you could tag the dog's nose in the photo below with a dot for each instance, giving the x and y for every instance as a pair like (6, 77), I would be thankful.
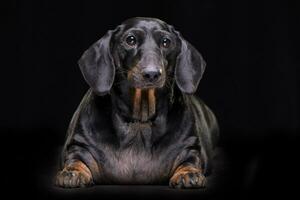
(151, 75)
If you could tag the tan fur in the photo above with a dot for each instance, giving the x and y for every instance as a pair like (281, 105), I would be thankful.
(151, 102)
(143, 104)
(79, 166)
(137, 103)
(182, 172)
(74, 174)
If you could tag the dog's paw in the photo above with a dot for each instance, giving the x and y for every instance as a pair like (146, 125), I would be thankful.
(72, 179)
(187, 180)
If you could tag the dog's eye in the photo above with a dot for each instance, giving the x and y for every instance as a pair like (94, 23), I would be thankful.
(165, 42)
(131, 40)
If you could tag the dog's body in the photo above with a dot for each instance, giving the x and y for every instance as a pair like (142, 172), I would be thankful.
(147, 130)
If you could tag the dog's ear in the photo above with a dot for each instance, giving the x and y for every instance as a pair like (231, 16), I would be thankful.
(190, 66)
(97, 64)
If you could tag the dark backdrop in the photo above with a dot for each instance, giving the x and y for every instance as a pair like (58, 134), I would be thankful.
(251, 83)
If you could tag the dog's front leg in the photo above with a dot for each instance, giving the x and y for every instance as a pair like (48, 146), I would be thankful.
(188, 174)
(74, 174)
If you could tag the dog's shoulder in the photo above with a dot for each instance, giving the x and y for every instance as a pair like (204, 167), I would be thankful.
(82, 106)
(205, 120)
(200, 109)
(91, 110)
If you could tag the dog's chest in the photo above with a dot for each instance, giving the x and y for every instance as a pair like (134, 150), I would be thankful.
(136, 161)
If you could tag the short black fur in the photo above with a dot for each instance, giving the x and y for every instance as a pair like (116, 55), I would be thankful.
(120, 149)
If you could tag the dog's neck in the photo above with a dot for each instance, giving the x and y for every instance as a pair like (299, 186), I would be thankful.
(143, 104)
(140, 105)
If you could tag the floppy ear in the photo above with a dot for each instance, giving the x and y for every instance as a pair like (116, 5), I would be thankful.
(97, 65)
(189, 68)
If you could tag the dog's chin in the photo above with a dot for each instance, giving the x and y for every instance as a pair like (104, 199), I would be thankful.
(146, 86)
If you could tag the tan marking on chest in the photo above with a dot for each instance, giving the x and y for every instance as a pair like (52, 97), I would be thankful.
(144, 103)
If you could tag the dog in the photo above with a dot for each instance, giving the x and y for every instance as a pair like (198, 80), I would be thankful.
(139, 123)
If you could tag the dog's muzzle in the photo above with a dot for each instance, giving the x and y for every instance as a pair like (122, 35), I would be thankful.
(146, 78)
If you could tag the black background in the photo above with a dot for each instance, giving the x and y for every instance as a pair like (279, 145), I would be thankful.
(251, 83)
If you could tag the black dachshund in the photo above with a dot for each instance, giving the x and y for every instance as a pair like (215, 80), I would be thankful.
(139, 123)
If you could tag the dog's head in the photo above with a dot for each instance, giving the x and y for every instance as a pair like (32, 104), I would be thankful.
(144, 51)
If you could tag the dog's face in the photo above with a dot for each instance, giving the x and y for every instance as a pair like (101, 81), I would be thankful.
(146, 52)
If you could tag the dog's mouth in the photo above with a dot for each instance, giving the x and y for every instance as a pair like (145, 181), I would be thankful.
(144, 103)
(144, 85)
